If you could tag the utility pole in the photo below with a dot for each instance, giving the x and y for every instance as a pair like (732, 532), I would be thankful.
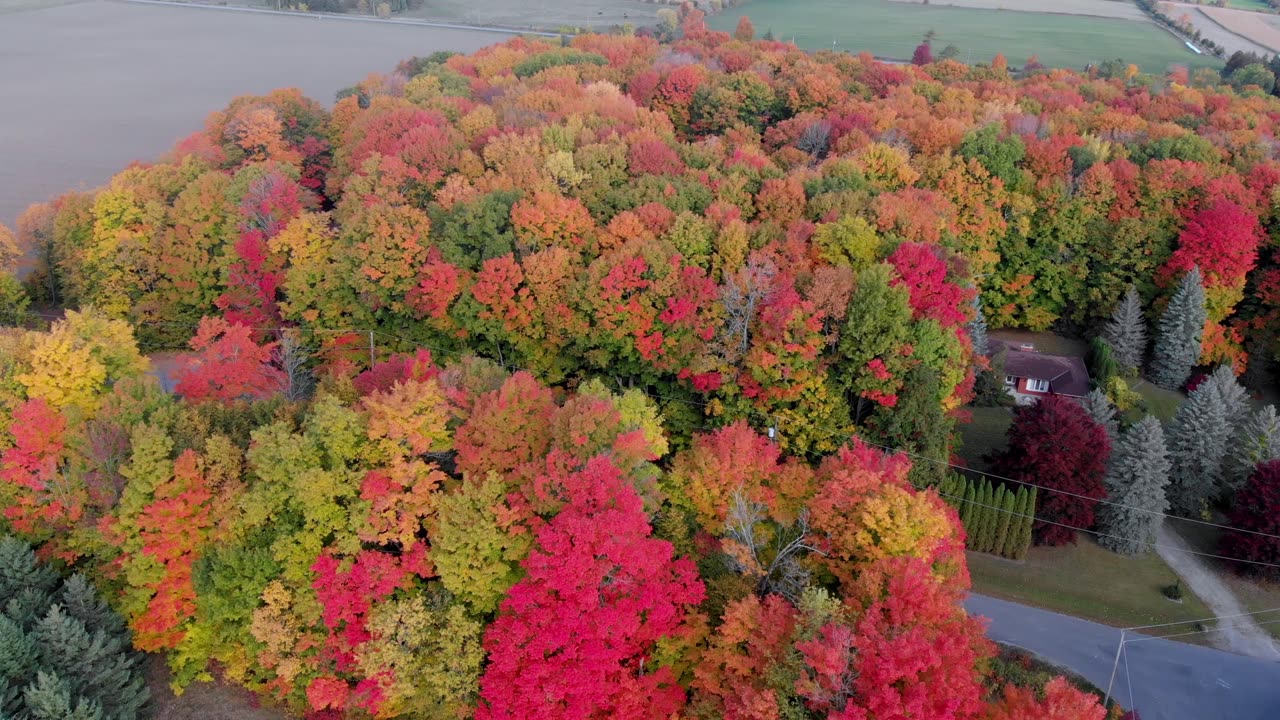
(371, 357)
(1114, 666)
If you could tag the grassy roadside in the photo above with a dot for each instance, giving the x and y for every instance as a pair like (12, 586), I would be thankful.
(1090, 582)
(1255, 593)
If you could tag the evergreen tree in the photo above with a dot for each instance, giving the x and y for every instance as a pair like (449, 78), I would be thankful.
(988, 516)
(1017, 521)
(78, 598)
(1256, 441)
(69, 659)
(1099, 407)
(1004, 501)
(1136, 482)
(978, 329)
(18, 657)
(918, 425)
(1197, 445)
(1181, 327)
(93, 665)
(1101, 361)
(966, 511)
(1126, 333)
(1235, 399)
(50, 698)
(19, 570)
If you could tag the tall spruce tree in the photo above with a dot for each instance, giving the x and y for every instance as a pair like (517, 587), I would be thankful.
(64, 653)
(1136, 484)
(1181, 328)
(1197, 446)
(1126, 333)
(978, 329)
(1256, 441)
(1099, 407)
(1235, 399)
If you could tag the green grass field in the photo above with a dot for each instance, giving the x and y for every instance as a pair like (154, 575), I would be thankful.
(1090, 582)
(1254, 5)
(985, 433)
(892, 29)
(1162, 403)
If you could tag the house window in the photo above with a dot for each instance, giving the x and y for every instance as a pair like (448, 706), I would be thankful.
(1034, 385)
(1010, 380)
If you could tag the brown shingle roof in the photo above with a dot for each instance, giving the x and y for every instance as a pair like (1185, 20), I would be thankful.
(1066, 375)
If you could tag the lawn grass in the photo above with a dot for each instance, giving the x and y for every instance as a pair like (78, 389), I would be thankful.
(986, 433)
(890, 29)
(1160, 402)
(1255, 593)
(1088, 581)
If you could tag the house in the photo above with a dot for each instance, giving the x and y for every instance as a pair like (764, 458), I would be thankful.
(1030, 375)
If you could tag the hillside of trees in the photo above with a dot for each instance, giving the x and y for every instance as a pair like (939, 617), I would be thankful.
(557, 381)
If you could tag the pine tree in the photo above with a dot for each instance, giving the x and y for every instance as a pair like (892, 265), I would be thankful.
(19, 571)
(1126, 333)
(81, 601)
(18, 657)
(50, 697)
(1235, 399)
(978, 329)
(1136, 484)
(1256, 441)
(1099, 407)
(1181, 327)
(1197, 445)
(94, 665)
(1004, 501)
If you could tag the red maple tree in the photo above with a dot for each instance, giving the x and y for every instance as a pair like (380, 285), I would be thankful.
(573, 636)
(1056, 445)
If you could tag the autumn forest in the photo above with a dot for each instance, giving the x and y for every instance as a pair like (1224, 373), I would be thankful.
(612, 378)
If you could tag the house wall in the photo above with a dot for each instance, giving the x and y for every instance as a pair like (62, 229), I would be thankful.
(1022, 395)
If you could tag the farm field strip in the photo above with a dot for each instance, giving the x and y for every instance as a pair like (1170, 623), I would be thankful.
(1120, 9)
(893, 29)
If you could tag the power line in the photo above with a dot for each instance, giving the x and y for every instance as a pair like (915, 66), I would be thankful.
(1072, 494)
(1145, 638)
(1102, 534)
(1216, 617)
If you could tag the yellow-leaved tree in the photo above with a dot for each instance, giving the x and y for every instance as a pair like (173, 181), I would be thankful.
(80, 359)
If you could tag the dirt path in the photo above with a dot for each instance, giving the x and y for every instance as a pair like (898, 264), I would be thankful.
(1238, 634)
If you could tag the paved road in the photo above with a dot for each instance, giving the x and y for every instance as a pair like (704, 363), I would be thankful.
(87, 88)
(1164, 680)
